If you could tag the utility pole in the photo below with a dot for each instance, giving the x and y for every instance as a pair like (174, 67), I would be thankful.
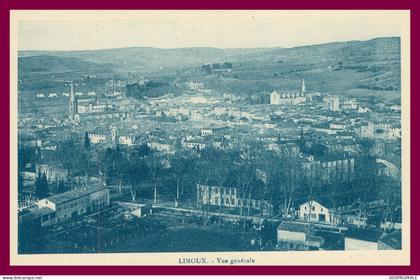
(155, 196)
(72, 102)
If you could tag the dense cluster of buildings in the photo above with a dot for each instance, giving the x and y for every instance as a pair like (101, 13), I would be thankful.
(323, 134)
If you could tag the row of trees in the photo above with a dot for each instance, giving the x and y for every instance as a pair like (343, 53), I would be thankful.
(255, 172)
(146, 171)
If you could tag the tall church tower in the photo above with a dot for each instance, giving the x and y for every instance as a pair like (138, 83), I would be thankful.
(303, 85)
(72, 103)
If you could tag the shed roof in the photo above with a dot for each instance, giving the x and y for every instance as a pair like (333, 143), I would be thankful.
(371, 235)
(392, 240)
(293, 226)
(36, 214)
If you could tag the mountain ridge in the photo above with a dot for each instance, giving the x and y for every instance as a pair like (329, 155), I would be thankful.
(36, 52)
(371, 65)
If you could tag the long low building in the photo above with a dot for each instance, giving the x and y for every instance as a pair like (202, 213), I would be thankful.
(230, 198)
(362, 239)
(73, 203)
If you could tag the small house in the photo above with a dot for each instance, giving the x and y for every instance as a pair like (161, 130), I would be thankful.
(319, 212)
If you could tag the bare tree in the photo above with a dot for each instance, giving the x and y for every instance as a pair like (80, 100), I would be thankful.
(391, 194)
(221, 173)
(311, 183)
(155, 168)
(179, 167)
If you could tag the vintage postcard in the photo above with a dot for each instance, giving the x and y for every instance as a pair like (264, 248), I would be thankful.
(269, 137)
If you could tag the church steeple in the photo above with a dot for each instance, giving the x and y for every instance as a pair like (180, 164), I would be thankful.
(303, 85)
(72, 103)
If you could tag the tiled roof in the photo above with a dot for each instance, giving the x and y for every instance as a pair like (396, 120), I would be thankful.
(74, 194)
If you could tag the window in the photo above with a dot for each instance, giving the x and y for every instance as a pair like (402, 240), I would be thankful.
(313, 208)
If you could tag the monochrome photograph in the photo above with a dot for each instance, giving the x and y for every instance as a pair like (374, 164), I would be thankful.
(234, 133)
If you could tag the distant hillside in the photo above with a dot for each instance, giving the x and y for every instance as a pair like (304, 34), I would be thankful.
(155, 58)
(44, 65)
(356, 51)
(355, 67)
(149, 59)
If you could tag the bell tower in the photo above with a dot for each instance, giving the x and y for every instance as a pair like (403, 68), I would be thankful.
(303, 85)
(72, 103)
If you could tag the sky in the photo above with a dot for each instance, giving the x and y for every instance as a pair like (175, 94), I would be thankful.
(83, 30)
